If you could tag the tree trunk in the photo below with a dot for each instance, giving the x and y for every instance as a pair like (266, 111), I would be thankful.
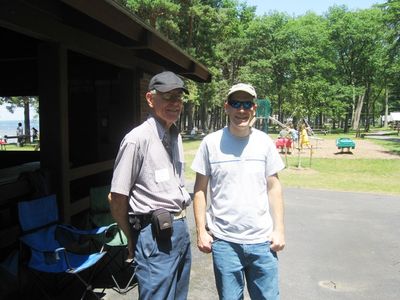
(280, 112)
(386, 107)
(190, 32)
(357, 112)
(189, 115)
(367, 106)
(27, 120)
(353, 113)
(203, 110)
(346, 120)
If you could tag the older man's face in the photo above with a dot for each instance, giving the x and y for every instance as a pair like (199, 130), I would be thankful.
(167, 107)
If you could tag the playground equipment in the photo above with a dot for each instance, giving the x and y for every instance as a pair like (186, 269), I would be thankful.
(277, 122)
(263, 113)
(284, 143)
(342, 143)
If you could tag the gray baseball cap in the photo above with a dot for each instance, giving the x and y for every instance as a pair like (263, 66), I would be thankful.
(166, 81)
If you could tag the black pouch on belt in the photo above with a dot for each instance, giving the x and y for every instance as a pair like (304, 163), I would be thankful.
(162, 221)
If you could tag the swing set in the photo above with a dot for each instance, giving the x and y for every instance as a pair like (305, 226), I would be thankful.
(285, 143)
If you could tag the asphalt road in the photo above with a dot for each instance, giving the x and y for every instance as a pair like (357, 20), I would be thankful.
(339, 246)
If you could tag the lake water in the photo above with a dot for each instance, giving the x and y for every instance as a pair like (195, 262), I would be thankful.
(9, 127)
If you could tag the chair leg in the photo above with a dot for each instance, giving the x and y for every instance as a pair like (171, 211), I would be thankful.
(116, 264)
(88, 286)
(128, 286)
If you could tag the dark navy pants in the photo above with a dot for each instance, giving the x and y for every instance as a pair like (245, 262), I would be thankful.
(163, 266)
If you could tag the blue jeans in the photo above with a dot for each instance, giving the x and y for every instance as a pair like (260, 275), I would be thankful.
(163, 267)
(255, 262)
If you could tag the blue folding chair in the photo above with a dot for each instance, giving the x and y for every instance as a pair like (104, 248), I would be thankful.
(50, 244)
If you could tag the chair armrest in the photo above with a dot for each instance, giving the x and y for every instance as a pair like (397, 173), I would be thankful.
(121, 236)
(109, 233)
(72, 239)
(86, 232)
(52, 257)
(112, 230)
(82, 240)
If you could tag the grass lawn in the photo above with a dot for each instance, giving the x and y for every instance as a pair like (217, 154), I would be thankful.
(361, 175)
(190, 148)
(26, 147)
(392, 146)
(380, 176)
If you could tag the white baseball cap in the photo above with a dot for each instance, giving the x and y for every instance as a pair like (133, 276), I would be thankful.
(244, 87)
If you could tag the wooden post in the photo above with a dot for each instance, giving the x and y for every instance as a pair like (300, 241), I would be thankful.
(54, 136)
(286, 150)
(298, 158)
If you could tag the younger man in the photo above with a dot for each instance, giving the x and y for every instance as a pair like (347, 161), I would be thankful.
(245, 216)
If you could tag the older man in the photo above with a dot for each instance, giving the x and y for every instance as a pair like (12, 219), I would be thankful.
(148, 198)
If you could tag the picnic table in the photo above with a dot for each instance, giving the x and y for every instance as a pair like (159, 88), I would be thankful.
(24, 136)
(20, 138)
(318, 130)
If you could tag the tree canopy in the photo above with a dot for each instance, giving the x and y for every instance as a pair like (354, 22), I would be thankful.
(341, 68)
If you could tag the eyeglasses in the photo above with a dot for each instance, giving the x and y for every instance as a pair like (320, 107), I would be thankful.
(169, 96)
(238, 104)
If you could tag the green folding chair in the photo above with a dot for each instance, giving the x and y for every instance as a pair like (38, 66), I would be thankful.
(118, 265)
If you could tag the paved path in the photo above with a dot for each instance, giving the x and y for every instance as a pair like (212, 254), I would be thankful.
(382, 135)
(339, 246)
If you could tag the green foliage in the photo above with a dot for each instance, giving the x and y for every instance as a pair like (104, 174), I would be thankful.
(13, 102)
(311, 66)
(391, 10)
(157, 13)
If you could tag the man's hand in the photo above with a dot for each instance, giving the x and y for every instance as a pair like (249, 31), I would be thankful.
(204, 241)
(131, 249)
(277, 240)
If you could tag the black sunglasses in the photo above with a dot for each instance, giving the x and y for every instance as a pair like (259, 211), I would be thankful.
(238, 104)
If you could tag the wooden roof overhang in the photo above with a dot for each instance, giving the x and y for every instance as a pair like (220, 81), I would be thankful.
(101, 29)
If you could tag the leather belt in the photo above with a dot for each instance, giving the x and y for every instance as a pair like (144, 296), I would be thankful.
(139, 221)
(146, 219)
(179, 215)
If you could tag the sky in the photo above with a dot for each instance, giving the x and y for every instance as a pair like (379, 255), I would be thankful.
(300, 7)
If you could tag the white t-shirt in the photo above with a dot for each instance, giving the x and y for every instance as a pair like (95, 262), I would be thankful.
(238, 169)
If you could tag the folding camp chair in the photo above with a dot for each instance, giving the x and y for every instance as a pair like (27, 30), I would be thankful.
(49, 244)
(118, 265)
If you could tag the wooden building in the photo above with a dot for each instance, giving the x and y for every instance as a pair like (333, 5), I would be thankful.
(89, 63)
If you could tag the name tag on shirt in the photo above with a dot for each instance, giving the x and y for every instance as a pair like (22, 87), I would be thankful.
(161, 175)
